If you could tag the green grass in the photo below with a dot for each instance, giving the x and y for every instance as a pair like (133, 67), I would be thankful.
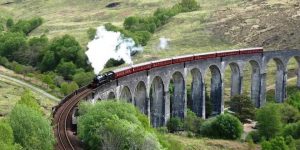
(208, 144)
(10, 94)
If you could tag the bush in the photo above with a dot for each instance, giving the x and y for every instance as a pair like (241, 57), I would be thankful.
(289, 114)
(224, 126)
(68, 88)
(174, 124)
(26, 26)
(115, 125)
(293, 100)
(269, 121)
(188, 5)
(292, 129)
(11, 43)
(278, 143)
(9, 22)
(191, 122)
(253, 136)
(29, 100)
(83, 78)
(113, 63)
(91, 32)
(6, 133)
(243, 107)
(31, 129)
(66, 69)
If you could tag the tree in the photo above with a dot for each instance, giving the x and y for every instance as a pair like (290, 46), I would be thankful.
(294, 100)
(115, 125)
(269, 121)
(68, 49)
(292, 129)
(243, 107)
(49, 62)
(68, 88)
(31, 129)
(66, 69)
(30, 101)
(83, 78)
(11, 43)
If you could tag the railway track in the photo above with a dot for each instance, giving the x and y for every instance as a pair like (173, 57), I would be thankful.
(66, 140)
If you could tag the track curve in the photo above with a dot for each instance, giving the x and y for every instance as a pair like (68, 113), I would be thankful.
(66, 140)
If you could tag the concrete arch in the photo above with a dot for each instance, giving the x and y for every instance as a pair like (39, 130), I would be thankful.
(197, 92)
(126, 94)
(280, 89)
(157, 102)
(216, 95)
(111, 95)
(236, 81)
(177, 102)
(140, 97)
(297, 71)
(255, 83)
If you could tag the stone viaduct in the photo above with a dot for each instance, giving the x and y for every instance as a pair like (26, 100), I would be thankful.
(149, 90)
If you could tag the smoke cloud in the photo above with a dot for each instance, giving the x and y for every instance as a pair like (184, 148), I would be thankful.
(107, 45)
(163, 43)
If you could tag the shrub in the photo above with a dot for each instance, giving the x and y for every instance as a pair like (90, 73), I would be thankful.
(91, 32)
(269, 120)
(294, 100)
(9, 22)
(174, 124)
(224, 126)
(289, 114)
(83, 78)
(26, 26)
(11, 43)
(253, 136)
(6, 133)
(31, 129)
(113, 63)
(66, 69)
(243, 107)
(292, 129)
(188, 5)
(115, 125)
(68, 88)
(29, 100)
(278, 143)
(191, 122)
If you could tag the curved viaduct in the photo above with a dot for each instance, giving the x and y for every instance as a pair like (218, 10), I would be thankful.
(149, 90)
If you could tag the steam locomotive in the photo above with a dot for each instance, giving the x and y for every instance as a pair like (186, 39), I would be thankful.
(112, 75)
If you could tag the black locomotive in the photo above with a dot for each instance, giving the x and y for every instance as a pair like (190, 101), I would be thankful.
(102, 79)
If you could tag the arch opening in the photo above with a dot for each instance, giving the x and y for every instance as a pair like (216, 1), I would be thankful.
(195, 92)
(157, 102)
(111, 95)
(140, 97)
(126, 95)
(232, 85)
(252, 81)
(275, 80)
(213, 100)
(177, 95)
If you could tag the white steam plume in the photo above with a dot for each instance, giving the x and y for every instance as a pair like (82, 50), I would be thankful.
(163, 43)
(109, 44)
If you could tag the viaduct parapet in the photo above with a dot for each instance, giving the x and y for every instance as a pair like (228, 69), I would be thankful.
(149, 90)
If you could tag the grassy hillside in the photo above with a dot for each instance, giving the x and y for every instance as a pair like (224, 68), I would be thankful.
(10, 94)
(217, 25)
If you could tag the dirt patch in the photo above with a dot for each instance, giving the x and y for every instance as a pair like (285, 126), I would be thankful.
(259, 23)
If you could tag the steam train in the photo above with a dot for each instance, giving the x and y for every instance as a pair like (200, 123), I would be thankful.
(112, 75)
